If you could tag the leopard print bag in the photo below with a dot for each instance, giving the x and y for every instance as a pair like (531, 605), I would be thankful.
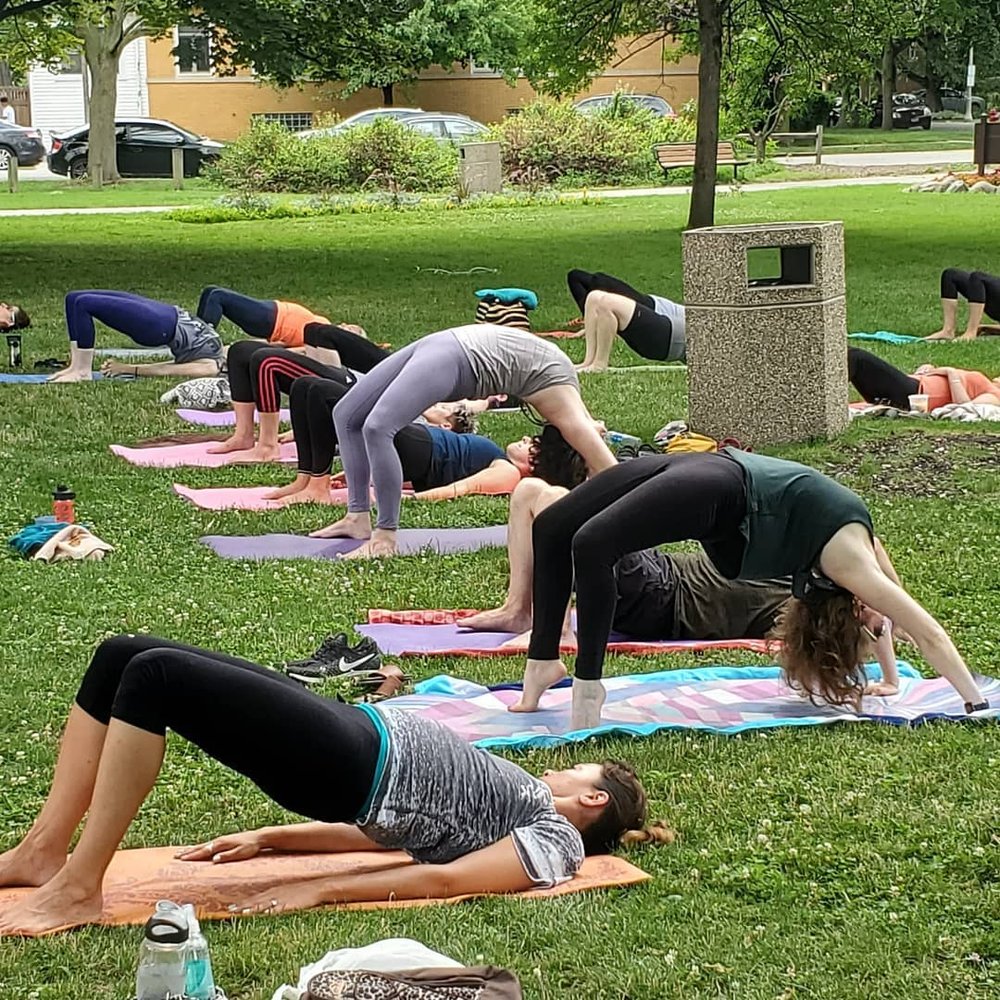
(484, 982)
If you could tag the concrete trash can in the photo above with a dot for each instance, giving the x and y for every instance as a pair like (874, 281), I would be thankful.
(479, 168)
(766, 331)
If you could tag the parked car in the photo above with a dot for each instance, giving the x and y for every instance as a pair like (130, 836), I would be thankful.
(144, 149)
(446, 127)
(361, 118)
(659, 107)
(953, 99)
(908, 111)
(24, 143)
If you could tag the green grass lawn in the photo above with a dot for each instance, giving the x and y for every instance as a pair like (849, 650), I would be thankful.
(65, 194)
(874, 140)
(816, 864)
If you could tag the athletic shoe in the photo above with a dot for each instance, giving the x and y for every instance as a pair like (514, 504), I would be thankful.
(332, 648)
(352, 662)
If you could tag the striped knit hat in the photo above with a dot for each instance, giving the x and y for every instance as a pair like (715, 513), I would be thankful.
(491, 310)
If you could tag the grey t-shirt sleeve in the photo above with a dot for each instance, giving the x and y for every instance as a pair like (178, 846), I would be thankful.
(550, 849)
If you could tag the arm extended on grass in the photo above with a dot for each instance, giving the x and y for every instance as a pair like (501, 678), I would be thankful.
(850, 560)
(310, 838)
(498, 478)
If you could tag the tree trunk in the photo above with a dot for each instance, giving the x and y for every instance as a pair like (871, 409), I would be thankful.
(888, 83)
(387, 95)
(6, 77)
(102, 152)
(702, 210)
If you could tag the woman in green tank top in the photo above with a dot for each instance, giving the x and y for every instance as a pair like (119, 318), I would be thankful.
(756, 517)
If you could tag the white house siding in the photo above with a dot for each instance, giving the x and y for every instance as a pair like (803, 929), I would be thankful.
(57, 98)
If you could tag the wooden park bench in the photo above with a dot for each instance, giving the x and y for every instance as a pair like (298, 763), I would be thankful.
(681, 154)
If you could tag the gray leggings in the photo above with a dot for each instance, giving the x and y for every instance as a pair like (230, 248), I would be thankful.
(393, 394)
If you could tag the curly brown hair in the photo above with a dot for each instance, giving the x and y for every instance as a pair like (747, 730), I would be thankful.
(623, 819)
(462, 420)
(823, 648)
(551, 458)
(20, 319)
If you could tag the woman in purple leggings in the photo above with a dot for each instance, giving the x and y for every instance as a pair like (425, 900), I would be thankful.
(196, 347)
(466, 362)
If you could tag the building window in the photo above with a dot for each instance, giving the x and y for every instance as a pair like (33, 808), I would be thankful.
(294, 121)
(193, 48)
(481, 69)
(72, 63)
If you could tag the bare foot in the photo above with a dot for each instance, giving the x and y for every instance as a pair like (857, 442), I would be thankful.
(969, 335)
(266, 452)
(311, 494)
(233, 443)
(57, 905)
(539, 676)
(349, 526)
(591, 369)
(71, 375)
(502, 619)
(381, 544)
(298, 484)
(588, 700)
(942, 335)
(27, 865)
(519, 643)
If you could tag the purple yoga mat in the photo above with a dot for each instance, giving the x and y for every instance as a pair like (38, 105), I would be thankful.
(411, 540)
(221, 418)
(172, 456)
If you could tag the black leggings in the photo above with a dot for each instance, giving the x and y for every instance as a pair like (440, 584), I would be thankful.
(312, 401)
(355, 352)
(976, 286)
(582, 283)
(313, 756)
(879, 382)
(259, 373)
(636, 505)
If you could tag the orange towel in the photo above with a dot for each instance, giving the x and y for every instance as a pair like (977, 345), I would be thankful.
(138, 878)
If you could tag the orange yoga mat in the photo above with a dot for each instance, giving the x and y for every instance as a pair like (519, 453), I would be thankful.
(138, 878)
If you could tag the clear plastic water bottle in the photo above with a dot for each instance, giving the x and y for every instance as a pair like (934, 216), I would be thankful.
(623, 445)
(200, 983)
(162, 970)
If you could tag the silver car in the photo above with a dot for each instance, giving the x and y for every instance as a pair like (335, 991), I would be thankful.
(447, 127)
(361, 118)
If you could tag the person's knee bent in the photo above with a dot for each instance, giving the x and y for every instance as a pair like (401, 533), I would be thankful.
(143, 690)
(526, 494)
(590, 550)
(598, 302)
(101, 681)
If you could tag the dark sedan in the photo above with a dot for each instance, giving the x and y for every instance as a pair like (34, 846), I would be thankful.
(23, 143)
(145, 148)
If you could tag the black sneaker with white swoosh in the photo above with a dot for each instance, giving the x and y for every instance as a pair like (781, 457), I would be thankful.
(350, 662)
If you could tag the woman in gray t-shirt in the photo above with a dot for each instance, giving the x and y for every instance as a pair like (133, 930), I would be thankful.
(473, 362)
(375, 778)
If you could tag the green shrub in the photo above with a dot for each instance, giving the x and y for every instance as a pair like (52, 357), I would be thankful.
(382, 156)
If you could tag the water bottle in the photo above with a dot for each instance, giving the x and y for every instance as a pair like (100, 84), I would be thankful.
(14, 350)
(200, 983)
(623, 445)
(162, 970)
(63, 507)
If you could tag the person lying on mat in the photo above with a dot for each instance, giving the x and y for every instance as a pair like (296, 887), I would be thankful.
(440, 464)
(13, 317)
(879, 382)
(757, 518)
(657, 596)
(267, 319)
(196, 347)
(391, 780)
(653, 326)
(475, 362)
(981, 290)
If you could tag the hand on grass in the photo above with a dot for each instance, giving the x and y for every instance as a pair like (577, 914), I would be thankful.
(232, 847)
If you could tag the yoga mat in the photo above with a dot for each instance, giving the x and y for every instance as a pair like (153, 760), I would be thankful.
(40, 379)
(136, 879)
(438, 633)
(247, 497)
(221, 418)
(133, 352)
(885, 336)
(174, 455)
(411, 541)
(718, 699)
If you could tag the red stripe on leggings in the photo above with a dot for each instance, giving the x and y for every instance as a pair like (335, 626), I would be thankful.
(267, 388)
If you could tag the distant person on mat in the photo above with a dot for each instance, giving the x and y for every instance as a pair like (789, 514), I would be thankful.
(757, 518)
(268, 319)
(653, 326)
(981, 290)
(196, 347)
(475, 362)
(391, 780)
(13, 317)
(657, 596)
(440, 464)
(879, 382)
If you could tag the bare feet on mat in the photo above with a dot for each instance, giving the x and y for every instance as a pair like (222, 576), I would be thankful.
(57, 905)
(349, 526)
(381, 544)
(266, 452)
(28, 865)
(969, 335)
(231, 444)
(311, 494)
(941, 335)
(295, 486)
(502, 619)
(519, 643)
(539, 676)
(588, 700)
(71, 375)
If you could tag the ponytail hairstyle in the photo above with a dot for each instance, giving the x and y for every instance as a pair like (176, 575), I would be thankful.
(19, 319)
(623, 819)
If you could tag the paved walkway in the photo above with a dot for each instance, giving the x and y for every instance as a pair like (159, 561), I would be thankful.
(909, 158)
(592, 193)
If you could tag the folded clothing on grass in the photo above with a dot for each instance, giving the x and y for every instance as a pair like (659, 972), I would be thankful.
(136, 879)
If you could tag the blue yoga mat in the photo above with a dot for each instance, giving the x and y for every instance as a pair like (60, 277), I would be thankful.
(35, 379)
(885, 336)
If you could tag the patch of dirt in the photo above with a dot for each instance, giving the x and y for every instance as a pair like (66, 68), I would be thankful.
(920, 465)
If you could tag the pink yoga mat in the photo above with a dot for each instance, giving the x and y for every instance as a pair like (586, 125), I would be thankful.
(446, 638)
(221, 418)
(174, 455)
(247, 497)
(410, 541)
